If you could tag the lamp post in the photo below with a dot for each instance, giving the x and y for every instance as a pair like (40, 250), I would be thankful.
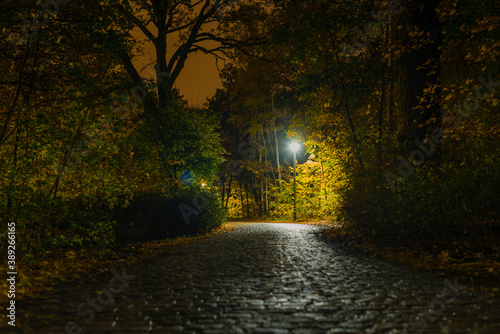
(294, 147)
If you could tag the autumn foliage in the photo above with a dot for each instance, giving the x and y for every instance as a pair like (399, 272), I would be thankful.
(396, 106)
(77, 144)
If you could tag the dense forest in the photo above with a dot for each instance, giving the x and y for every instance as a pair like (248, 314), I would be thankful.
(395, 105)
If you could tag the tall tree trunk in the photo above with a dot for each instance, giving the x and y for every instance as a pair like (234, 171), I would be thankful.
(263, 188)
(381, 120)
(222, 186)
(323, 182)
(343, 88)
(390, 108)
(247, 197)
(268, 168)
(266, 198)
(228, 191)
(260, 180)
(160, 43)
(390, 88)
(270, 153)
(13, 105)
(242, 198)
(149, 104)
(255, 195)
(420, 71)
(10, 200)
(277, 158)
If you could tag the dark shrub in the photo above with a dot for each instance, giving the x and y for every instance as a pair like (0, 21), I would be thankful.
(157, 216)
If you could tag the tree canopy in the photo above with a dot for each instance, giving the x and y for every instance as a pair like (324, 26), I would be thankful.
(394, 102)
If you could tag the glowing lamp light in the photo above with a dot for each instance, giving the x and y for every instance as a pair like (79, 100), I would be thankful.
(294, 146)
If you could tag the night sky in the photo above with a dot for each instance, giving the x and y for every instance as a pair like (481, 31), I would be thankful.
(198, 80)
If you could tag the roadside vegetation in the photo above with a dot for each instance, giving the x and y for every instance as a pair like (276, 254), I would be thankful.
(395, 105)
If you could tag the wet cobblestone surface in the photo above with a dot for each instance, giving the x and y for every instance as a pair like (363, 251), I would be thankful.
(263, 278)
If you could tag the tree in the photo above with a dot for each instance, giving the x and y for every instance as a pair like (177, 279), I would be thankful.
(61, 139)
(251, 103)
(187, 139)
(438, 60)
(420, 36)
(211, 27)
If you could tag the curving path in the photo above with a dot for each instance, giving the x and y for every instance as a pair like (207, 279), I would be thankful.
(264, 278)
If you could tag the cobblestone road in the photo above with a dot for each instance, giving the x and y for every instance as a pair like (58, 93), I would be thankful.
(264, 278)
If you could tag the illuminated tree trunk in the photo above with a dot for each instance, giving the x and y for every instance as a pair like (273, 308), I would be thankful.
(266, 198)
(242, 199)
(266, 169)
(247, 199)
(260, 180)
(270, 154)
(277, 159)
(228, 191)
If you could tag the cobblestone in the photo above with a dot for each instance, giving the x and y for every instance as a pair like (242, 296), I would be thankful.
(266, 278)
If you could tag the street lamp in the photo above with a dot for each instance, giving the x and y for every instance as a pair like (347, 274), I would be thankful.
(294, 147)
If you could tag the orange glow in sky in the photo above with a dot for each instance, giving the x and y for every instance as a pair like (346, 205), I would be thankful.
(199, 78)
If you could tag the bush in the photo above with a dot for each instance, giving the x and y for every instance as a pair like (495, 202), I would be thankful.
(158, 216)
(450, 200)
(57, 223)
